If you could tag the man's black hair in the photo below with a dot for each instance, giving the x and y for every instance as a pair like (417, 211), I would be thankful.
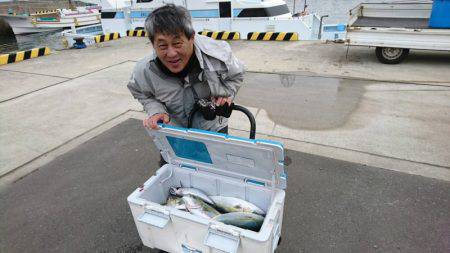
(170, 20)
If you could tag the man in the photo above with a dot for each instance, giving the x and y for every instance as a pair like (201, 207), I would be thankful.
(184, 69)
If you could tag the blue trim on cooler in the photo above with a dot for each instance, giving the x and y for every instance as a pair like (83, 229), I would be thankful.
(225, 136)
(275, 143)
(255, 182)
(195, 130)
(237, 138)
(173, 127)
(189, 149)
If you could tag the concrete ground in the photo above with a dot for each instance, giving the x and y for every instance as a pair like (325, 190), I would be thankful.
(49, 101)
(307, 95)
(77, 203)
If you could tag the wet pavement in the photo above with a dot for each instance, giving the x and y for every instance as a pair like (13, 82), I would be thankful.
(77, 203)
(303, 102)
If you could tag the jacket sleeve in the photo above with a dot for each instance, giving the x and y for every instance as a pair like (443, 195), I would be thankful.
(224, 72)
(232, 83)
(224, 78)
(147, 98)
(234, 77)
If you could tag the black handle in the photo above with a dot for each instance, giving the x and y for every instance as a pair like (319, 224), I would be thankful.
(250, 117)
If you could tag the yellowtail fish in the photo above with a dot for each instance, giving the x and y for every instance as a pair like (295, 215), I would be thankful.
(243, 220)
(176, 202)
(184, 191)
(231, 204)
(198, 207)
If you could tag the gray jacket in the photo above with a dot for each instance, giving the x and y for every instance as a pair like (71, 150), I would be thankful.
(221, 75)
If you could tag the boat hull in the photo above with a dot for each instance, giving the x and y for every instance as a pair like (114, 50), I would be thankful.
(25, 25)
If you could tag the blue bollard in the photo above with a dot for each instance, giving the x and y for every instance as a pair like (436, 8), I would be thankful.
(79, 43)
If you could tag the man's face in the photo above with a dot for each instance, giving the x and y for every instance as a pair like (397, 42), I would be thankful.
(174, 51)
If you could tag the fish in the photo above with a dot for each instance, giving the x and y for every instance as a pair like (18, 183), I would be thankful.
(184, 191)
(231, 204)
(176, 202)
(198, 207)
(250, 221)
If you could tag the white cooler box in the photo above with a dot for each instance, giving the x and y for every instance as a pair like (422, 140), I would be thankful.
(218, 164)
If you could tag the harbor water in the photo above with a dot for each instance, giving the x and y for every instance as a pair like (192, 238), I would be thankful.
(336, 9)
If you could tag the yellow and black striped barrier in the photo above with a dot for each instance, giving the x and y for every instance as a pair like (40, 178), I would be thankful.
(279, 36)
(221, 35)
(23, 55)
(136, 33)
(106, 37)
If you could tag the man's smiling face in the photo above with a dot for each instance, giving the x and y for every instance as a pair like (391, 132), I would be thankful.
(174, 51)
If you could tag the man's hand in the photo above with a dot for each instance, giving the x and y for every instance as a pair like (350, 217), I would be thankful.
(152, 121)
(219, 101)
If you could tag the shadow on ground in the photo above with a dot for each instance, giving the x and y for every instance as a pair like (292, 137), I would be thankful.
(77, 203)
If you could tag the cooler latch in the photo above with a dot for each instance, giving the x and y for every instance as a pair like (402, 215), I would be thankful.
(222, 238)
(255, 182)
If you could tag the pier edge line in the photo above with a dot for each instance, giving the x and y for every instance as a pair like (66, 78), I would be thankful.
(136, 33)
(223, 35)
(274, 36)
(24, 55)
(107, 37)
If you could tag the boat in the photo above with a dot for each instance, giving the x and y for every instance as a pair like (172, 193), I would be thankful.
(49, 20)
(242, 16)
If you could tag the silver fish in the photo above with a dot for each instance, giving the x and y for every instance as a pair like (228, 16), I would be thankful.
(176, 202)
(199, 208)
(243, 220)
(184, 191)
(231, 204)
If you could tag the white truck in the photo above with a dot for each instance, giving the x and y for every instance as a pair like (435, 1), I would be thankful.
(394, 29)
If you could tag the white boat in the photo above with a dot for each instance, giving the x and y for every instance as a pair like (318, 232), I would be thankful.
(243, 16)
(52, 20)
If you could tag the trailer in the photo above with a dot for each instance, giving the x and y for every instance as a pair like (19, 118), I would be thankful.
(395, 28)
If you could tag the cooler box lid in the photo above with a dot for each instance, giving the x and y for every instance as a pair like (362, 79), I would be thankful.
(258, 162)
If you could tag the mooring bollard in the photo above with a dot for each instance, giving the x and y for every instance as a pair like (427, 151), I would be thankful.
(79, 43)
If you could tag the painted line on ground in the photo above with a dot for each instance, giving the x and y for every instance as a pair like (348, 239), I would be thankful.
(31, 73)
(313, 74)
(23, 55)
(46, 157)
(58, 83)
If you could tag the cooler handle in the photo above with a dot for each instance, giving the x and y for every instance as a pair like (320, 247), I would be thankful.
(157, 218)
(223, 239)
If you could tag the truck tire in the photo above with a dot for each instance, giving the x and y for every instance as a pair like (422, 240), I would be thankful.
(391, 55)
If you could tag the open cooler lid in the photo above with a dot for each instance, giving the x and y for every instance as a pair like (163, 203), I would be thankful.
(259, 162)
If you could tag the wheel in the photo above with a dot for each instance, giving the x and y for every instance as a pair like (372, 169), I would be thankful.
(391, 55)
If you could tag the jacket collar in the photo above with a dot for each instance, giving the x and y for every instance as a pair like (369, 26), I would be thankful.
(204, 46)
